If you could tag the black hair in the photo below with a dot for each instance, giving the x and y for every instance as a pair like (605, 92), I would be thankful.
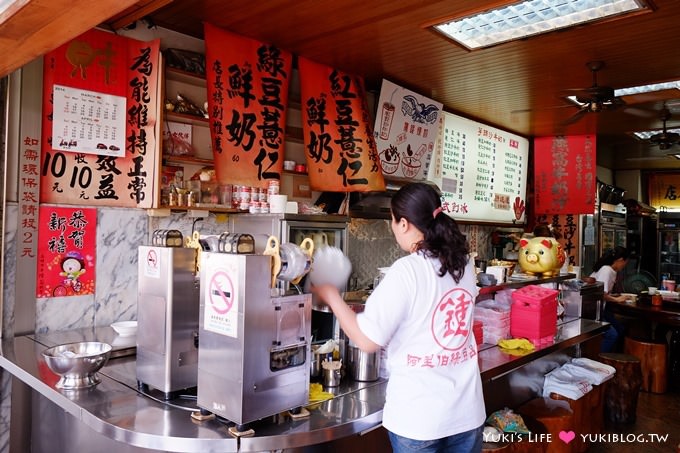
(545, 230)
(418, 203)
(609, 256)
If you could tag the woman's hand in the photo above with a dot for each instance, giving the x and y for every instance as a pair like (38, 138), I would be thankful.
(345, 315)
(328, 294)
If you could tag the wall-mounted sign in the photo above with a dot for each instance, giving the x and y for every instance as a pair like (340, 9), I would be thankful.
(406, 129)
(664, 191)
(103, 151)
(483, 171)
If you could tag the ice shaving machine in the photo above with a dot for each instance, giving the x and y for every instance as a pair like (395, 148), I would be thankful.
(253, 357)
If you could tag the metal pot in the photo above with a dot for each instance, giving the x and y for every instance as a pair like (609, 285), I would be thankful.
(363, 366)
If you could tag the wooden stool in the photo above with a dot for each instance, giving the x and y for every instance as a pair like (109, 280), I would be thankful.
(621, 391)
(588, 415)
(653, 360)
(556, 416)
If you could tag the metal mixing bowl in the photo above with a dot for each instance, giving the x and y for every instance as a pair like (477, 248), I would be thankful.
(77, 363)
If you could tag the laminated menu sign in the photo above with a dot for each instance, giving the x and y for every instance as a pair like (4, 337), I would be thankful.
(483, 171)
(407, 125)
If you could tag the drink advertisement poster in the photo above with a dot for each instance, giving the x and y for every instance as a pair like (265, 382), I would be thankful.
(406, 130)
(66, 251)
(337, 131)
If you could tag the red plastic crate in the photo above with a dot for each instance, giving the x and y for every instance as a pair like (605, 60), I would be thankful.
(533, 314)
(478, 332)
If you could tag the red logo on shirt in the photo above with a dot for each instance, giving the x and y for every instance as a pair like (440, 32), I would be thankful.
(450, 326)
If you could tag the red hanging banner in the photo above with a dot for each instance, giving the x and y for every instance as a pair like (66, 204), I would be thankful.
(66, 252)
(100, 110)
(247, 99)
(564, 175)
(340, 148)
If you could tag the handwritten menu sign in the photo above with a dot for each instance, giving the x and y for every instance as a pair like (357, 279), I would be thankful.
(407, 126)
(482, 171)
(89, 122)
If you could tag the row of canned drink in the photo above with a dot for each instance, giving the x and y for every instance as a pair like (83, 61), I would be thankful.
(253, 199)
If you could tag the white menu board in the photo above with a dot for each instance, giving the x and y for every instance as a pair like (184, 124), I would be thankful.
(406, 129)
(88, 122)
(482, 171)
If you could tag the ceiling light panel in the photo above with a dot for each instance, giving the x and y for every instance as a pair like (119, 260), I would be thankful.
(528, 18)
(644, 135)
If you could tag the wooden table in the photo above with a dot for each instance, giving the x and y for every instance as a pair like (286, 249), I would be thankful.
(667, 314)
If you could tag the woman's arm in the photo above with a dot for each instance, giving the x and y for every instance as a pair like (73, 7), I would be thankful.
(346, 316)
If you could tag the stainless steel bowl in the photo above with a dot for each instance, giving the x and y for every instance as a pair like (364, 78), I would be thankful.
(77, 363)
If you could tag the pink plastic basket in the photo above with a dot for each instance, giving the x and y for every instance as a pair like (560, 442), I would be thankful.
(533, 314)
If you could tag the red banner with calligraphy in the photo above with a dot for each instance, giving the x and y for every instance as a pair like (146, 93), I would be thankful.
(247, 104)
(564, 175)
(66, 252)
(340, 147)
(100, 110)
(664, 190)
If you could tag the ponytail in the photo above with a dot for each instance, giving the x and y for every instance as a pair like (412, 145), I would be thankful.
(420, 204)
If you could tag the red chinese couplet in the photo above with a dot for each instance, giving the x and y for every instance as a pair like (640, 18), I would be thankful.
(99, 64)
(564, 174)
(66, 251)
(247, 104)
(339, 145)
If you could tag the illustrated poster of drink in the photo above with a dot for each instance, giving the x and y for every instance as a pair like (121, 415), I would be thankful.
(407, 126)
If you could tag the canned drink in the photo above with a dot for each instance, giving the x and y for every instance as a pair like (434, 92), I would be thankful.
(244, 206)
(273, 187)
(245, 194)
(172, 199)
(264, 207)
(254, 207)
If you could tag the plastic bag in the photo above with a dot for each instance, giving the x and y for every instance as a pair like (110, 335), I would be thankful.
(507, 421)
(186, 60)
(175, 146)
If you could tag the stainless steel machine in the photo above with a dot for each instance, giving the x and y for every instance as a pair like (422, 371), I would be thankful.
(255, 347)
(167, 315)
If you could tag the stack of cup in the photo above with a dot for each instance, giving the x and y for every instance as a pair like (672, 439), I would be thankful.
(277, 203)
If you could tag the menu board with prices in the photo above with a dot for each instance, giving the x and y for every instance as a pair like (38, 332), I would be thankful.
(483, 173)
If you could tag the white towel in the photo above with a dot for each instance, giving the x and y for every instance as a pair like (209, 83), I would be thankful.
(566, 384)
(595, 372)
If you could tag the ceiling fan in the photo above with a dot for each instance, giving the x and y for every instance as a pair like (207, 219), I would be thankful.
(664, 139)
(595, 98)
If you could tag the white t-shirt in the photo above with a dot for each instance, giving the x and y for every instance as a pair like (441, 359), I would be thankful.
(607, 275)
(434, 389)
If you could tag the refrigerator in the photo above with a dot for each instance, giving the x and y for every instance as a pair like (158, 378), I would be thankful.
(668, 237)
(612, 227)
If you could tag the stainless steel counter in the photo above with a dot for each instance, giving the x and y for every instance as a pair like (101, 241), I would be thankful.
(115, 409)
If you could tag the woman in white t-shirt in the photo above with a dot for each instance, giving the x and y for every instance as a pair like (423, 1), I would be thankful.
(422, 314)
(605, 270)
